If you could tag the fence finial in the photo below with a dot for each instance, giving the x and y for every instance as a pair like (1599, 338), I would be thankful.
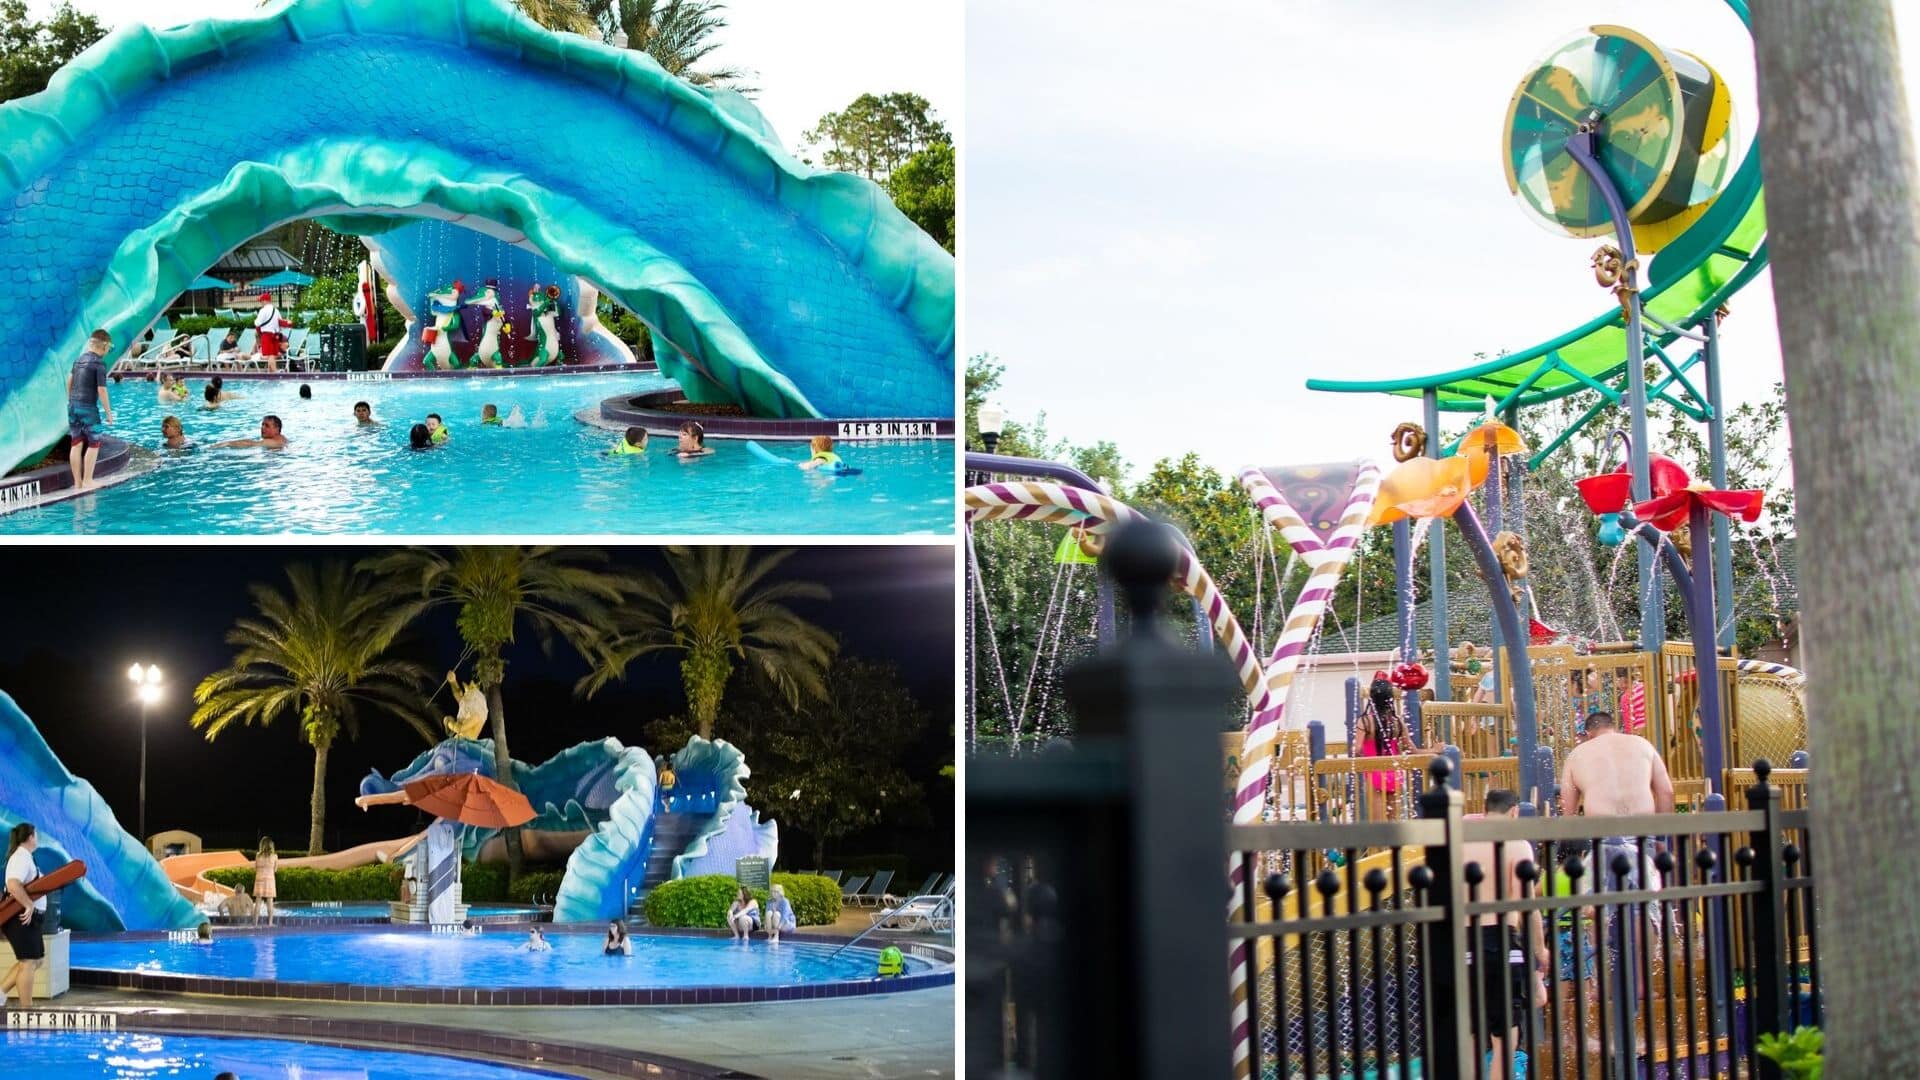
(1142, 556)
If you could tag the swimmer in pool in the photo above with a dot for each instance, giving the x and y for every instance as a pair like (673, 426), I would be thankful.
(617, 943)
(634, 442)
(419, 438)
(216, 393)
(306, 392)
(174, 434)
(823, 455)
(537, 942)
(437, 429)
(270, 438)
(693, 441)
(171, 389)
(490, 415)
(362, 413)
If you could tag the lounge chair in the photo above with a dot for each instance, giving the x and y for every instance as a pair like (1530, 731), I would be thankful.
(932, 911)
(929, 886)
(850, 892)
(833, 875)
(876, 892)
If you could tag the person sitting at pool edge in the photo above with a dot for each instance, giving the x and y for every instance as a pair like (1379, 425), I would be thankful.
(537, 942)
(490, 415)
(779, 914)
(635, 442)
(437, 429)
(174, 434)
(693, 440)
(617, 943)
(744, 915)
(362, 413)
(823, 455)
(419, 438)
(270, 437)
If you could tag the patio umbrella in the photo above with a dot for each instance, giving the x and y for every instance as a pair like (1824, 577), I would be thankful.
(207, 282)
(470, 799)
(284, 279)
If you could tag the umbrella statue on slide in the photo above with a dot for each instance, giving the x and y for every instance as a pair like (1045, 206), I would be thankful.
(433, 868)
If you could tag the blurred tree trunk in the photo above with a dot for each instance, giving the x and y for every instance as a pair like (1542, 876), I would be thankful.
(1845, 238)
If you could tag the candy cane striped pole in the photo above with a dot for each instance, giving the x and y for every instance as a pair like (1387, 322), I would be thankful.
(1328, 560)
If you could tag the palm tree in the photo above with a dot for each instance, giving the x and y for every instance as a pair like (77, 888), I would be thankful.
(718, 608)
(566, 593)
(318, 652)
(1842, 221)
(570, 16)
(676, 33)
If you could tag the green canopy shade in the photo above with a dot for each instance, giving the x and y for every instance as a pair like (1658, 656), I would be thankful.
(283, 279)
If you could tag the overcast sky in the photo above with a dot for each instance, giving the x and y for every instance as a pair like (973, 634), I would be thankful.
(809, 59)
(1171, 223)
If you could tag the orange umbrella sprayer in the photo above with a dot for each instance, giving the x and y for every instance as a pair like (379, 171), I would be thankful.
(470, 799)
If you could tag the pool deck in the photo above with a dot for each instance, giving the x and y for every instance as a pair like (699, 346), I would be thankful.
(896, 1035)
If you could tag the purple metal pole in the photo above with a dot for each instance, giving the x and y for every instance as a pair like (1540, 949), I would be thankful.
(1696, 599)
(1514, 636)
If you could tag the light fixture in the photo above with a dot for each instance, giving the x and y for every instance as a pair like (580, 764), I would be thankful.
(136, 673)
(153, 674)
(990, 419)
(149, 693)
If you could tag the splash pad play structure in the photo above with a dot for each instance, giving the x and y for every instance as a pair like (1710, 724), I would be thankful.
(795, 296)
(1611, 133)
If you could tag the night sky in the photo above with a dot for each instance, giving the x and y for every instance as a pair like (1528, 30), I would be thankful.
(75, 618)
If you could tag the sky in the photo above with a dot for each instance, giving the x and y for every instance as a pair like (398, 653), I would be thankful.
(172, 607)
(1162, 245)
(808, 59)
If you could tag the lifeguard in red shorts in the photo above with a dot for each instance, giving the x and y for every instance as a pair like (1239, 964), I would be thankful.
(271, 329)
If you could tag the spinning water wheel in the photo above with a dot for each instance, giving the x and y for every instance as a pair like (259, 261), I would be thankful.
(1665, 124)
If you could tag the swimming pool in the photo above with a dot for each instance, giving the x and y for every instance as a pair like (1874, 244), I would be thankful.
(127, 1055)
(664, 968)
(550, 477)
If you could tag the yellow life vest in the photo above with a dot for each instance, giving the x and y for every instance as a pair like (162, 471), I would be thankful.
(892, 962)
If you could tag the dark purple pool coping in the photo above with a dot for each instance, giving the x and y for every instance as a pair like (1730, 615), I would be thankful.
(168, 983)
(386, 376)
(58, 476)
(452, 1042)
(647, 411)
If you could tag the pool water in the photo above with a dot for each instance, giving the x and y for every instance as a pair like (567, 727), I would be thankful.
(337, 477)
(75, 1055)
(489, 960)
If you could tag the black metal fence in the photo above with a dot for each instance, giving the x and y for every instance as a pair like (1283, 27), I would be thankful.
(1447, 947)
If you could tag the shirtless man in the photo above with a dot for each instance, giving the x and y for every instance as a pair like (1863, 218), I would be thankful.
(270, 438)
(1498, 957)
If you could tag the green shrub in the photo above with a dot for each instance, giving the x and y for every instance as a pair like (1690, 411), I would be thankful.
(1799, 1055)
(535, 886)
(703, 900)
(483, 883)
(479, 882)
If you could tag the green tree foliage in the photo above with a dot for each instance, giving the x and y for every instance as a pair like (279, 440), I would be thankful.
(30, 52)
(570, 16)
(876, 134)
(923, 189)
(715, 609)
(318, 653)
(830, 767)
(678, 34)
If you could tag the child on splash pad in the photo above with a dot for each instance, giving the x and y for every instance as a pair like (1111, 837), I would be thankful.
(633, 442)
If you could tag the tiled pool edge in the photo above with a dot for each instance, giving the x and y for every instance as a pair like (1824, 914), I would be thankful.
(453, 1043)
(166, 983)
(647, 410)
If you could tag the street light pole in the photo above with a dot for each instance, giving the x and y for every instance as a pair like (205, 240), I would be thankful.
(147, 688)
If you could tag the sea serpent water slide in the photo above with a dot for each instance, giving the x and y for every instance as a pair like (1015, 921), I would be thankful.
(787, 290)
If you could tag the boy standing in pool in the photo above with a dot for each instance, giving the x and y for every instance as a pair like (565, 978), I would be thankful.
(86, 402)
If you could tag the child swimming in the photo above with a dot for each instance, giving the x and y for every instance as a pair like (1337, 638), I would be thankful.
(537, 942)
(490, 415)
(823, 455)
(437, 429)
(419, 437)
(174, 434)
(634, 442)
(693, 441)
